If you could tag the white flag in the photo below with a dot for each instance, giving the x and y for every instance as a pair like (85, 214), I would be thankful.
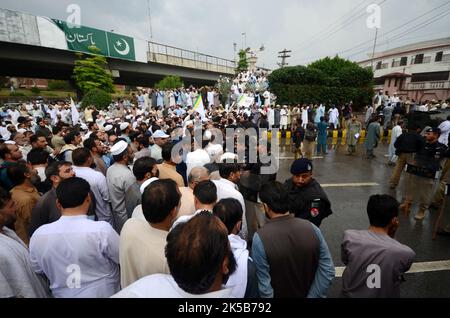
(75, 113)
(198, 107)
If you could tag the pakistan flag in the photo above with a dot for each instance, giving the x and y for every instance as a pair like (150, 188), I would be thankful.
(121, 46)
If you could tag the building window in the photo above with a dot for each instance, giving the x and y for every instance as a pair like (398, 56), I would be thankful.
(418, 59)
(439, 56)
(404, 61)
(431, 76)
(396, 81)
(378, 67)
(389, 85)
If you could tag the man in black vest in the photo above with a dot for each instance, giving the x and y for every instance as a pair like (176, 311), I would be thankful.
(291, 256)
(307, 200)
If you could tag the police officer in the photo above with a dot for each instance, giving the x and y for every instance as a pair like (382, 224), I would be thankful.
(422, 172)
(307, 200)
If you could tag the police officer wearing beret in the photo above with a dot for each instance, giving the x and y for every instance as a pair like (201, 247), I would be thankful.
(307, 200)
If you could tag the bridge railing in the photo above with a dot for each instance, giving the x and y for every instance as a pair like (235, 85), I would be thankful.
(166, 54)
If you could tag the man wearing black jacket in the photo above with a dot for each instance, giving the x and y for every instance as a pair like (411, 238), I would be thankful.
(422, 172)
(406, 145)
(307, 200)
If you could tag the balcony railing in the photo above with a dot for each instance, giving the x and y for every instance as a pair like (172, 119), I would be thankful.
(428, 85)
(165, 54)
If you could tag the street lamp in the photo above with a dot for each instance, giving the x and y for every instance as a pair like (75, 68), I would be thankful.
(244, 40)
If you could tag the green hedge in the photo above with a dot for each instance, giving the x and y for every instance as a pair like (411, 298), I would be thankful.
(299, 94)
(96, 97)
(55, 85)
(330, 80)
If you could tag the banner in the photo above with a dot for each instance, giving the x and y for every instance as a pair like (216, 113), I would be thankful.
(246, 101)
(110, 44)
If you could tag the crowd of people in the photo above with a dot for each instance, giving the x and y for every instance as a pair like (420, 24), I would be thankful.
(143, 199)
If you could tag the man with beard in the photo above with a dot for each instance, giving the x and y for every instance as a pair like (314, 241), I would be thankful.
(97, 149)
(10, 154)
(24, 195)
(291, 256)
(119, 178)
(198, 267)
(307, 200)
(144, 169)
(45, 210)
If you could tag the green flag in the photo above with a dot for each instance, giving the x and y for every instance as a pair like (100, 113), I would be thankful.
(81, 38)
(121, 46)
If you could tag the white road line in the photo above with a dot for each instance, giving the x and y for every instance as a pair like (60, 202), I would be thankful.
(335, 185)
(424, 267)
(292, 158)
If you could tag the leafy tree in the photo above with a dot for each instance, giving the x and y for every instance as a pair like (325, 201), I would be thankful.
(58, 85)
(330, 80)
(243, 62)
(170, 82)
(96, 97)
(35, 90)
(91, 72)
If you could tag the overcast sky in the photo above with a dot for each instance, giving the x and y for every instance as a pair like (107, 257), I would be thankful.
(311, 29)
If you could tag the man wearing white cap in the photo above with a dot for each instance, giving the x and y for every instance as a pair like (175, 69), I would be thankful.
(119, 178)
(160, 138)
(125, 128)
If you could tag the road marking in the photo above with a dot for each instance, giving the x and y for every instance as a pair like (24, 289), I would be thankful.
(424, 267)
(335, 185)
(292, 158)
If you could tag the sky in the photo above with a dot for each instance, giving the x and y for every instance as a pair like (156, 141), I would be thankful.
(310, 29)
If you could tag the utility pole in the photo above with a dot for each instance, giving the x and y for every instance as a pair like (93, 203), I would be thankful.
(374, 46)
(284, 55)
(150, 20)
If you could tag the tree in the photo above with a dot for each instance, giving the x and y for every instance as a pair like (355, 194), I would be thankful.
(243, 62)
(330, 80)
(91, 72)
(96, 97)
(169, 82)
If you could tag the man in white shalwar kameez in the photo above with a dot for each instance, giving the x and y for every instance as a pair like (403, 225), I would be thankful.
(445, 130)
(396, 132)
(198, 268)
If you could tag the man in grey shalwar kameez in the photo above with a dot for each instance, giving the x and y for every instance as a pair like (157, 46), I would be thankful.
(119, 178)
(17, 278)
(373, 135)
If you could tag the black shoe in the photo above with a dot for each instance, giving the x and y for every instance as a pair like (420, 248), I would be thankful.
(443, 233)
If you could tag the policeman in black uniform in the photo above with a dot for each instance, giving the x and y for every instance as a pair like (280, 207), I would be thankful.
(423, 171)
(307, 200)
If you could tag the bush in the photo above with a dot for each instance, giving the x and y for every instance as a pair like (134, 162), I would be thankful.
(55, 85)
(96, 97)
(330, 80)
(16, 94)
(315, 94)
(169, 82)
(35, 90)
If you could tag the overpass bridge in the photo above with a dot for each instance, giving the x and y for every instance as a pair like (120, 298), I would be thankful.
(39, 47)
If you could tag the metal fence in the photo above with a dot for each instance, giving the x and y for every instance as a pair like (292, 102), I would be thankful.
(160, 53)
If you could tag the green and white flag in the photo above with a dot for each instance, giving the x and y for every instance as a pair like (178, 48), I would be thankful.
(121, 46)
(114, 45)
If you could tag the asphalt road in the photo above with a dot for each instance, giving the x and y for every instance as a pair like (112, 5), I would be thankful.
(349, 206)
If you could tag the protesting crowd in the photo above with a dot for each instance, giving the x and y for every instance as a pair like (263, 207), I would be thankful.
(154, 197)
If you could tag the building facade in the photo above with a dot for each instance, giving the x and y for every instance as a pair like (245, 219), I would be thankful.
(419, 71)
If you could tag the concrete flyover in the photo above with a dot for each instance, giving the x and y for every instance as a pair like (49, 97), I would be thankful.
(21, 60)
